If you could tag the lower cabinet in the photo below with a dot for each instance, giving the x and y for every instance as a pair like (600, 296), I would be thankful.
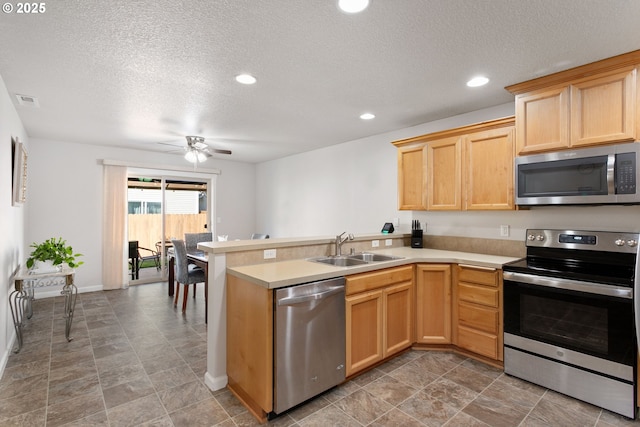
(433, 303)
(364, 330)
(379, 317)
(250, 345)
(477, 314)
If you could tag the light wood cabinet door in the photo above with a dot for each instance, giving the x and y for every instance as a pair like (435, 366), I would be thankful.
(604, 109)
(412, 179)
(364, 330)
(433, 303)
(444, 174)
(398, 315)
(542, 120)
(250, 343)
(488, 170)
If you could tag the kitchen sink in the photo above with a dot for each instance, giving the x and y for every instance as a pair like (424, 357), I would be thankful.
(339, 261)
(354, 260)
(369, 257)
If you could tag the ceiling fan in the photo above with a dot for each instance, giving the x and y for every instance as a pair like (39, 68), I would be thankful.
(197, 151)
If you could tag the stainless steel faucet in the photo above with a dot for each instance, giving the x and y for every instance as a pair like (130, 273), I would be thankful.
(340, 240)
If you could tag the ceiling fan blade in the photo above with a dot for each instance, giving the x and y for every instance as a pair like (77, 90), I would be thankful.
(175, 145)
(216, 150)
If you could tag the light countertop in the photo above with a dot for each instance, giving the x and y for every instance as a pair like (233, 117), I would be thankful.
(285, 273)
(259, 244)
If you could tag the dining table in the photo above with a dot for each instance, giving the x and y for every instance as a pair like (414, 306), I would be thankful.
(200, 259)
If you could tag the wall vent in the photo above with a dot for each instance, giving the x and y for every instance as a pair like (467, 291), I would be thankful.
(28, 101)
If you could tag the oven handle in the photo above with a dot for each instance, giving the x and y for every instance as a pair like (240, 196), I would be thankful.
(611, 169)
(572, 285)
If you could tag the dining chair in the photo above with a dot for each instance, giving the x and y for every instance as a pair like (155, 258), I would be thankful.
(191, 240)
(186, 274)
(136, 259)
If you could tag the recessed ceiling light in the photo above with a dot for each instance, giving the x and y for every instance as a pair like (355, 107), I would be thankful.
(27, 100)
(367, 116)
(478, 81)
(353, 6)
(245, 79)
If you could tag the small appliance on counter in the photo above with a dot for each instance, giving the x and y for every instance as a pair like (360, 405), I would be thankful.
(416, 234)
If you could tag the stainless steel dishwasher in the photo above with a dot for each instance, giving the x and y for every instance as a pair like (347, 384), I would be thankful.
(309, 341)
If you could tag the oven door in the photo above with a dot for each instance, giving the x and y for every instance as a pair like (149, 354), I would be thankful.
(570, 319)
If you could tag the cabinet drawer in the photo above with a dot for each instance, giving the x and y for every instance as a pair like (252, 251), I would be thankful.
(478, 342)
(483, 276)
(485, 319)
(378, 279)
(478, 295)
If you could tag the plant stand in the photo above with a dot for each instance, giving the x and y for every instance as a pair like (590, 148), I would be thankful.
(20, 300)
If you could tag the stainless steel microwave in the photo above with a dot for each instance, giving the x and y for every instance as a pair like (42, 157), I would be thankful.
(594, 176)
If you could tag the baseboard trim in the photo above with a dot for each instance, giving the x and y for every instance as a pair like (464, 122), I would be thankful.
(215, 383)
(5, 357)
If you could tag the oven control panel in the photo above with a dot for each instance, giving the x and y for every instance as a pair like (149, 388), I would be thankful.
(580, 239)
(586, 240)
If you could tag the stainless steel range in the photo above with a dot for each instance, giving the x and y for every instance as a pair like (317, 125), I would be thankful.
(569, 316)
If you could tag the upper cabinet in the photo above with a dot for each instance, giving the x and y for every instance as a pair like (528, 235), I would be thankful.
(593, 104)
(604, 109)
(467, 168)
(444, 174)
(412, 179)
(488, 164)
(542, 120)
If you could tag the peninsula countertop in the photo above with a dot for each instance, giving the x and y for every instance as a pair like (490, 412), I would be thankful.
(286, 273)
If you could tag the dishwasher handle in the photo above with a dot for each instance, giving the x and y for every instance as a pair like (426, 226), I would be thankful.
(311, 297)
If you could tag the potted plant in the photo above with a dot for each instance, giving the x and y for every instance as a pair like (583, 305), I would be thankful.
(51, 254)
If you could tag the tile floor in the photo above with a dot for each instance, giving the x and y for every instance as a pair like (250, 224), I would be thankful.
(135, 360)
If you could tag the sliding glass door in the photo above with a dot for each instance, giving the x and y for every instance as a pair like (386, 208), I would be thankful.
(161, 208)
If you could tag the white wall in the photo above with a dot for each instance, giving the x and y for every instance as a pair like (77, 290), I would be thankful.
(65, 197)
(12, 220)
(236, 200)
(353, 187)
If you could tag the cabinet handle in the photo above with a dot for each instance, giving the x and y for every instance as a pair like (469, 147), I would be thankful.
(476, 267)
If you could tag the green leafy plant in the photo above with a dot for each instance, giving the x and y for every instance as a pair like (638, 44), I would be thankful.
(56, 250)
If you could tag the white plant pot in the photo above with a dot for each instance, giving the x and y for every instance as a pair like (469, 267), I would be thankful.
(45, 267)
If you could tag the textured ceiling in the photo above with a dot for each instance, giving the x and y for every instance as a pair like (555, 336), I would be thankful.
(135, 73)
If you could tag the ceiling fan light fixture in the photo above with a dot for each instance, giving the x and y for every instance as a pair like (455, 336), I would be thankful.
(194, 156)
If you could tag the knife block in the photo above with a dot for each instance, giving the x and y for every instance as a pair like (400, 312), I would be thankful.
(416, 238)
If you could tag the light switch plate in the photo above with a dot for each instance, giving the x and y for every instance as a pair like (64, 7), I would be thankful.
(375, 243)
(269, 253)
(388, 242)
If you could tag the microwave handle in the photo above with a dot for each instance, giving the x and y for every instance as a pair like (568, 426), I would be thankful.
(611, 169)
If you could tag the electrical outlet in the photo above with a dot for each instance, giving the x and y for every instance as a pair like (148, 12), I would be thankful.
(388, 242)
(375, 243)
(269, 253)
(504, 230)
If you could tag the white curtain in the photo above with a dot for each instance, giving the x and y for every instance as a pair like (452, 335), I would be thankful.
(114, 261)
